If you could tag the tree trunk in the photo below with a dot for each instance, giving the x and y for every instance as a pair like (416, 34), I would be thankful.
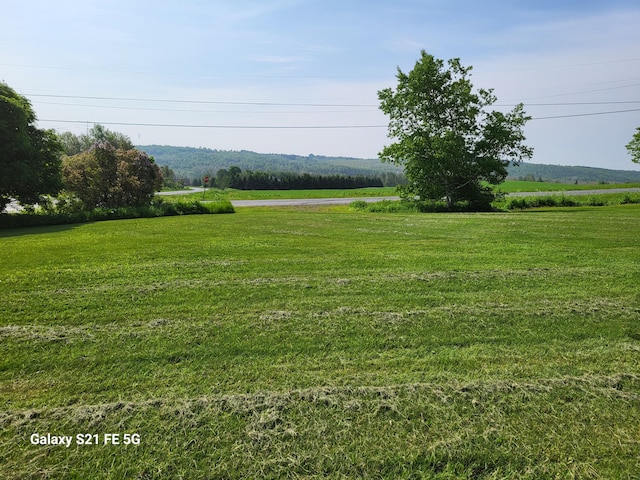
(450, 201)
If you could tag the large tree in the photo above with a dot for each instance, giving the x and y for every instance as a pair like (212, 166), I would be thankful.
(446, 139)
(633, 147)
(108, 177)
(29, 157)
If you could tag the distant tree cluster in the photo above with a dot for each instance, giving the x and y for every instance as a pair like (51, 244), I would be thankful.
(170, 181)
(75, 144)
(234, 177)
(103, 169)
(195, 163)
(108, 177)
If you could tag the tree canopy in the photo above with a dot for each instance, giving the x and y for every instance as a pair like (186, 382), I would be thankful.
(633, 147)
(108, 177)
(446, 139)
(74, 144)
(29, 157)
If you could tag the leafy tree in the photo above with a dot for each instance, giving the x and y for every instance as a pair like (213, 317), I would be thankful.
(169, 179)
(74, 144)
(29, 157)
(633, 147)
(446, 140)
(227, 178)
(106, 177)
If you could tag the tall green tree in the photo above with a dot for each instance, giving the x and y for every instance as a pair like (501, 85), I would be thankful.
(633, 147)
(446, 139)
(29, 157)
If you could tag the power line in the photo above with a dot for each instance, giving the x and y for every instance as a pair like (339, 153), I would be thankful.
(303, 127)
(302, 104)
(586, 114)
(248, 127)
(209, 102)
(561, 104)
(120, 107)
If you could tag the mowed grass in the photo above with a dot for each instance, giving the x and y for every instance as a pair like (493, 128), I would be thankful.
(325, 343)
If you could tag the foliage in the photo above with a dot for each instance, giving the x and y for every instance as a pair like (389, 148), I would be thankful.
(234, 177)
(599, 200)
(446, 140)
(304, 344)
(573, 175)
(191, 164)
(408, 206)
(106, 177)
(68, 212)
(29, 157)
(195, 163)
(169, 179)
(504, 203)
(75, 144)
(633, 147)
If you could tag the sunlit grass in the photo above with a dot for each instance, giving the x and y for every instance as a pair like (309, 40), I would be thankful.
(275, 343)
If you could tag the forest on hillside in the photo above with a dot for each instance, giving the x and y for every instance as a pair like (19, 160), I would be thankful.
(192, 164)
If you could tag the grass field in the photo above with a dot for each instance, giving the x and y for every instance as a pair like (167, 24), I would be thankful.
(506, 187)
(324, 343)
(232, 194)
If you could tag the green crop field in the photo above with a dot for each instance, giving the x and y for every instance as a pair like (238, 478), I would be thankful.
(323, 343)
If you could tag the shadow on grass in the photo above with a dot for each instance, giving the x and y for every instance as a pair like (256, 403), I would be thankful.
(21, 231)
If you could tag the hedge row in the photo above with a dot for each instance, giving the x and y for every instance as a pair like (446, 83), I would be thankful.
(162, 209)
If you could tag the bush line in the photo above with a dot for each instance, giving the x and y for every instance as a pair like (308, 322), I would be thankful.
(156, 209)
(516, 203)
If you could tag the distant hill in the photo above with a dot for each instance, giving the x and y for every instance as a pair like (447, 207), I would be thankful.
(196, 162)
(563, 174)
(189, 162)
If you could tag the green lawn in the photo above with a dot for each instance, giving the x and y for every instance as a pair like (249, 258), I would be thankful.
(325, 343)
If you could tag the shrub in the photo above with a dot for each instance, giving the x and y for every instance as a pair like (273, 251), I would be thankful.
(67, 213)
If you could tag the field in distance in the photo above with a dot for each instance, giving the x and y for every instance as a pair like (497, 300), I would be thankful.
(327, 344)
(510, 186)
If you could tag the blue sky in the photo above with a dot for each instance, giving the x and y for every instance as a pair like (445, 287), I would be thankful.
(213, 66)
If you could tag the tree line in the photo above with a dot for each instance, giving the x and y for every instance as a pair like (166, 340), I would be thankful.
(236, 178)
(191, 162)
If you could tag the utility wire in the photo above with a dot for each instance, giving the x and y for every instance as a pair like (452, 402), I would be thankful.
(295, 104)
(304, 127)
(274, 127)
(586, 114)
(120, 107)
(216, 102)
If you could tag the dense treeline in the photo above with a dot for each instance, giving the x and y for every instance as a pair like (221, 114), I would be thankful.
(571, 174)
(192, 164)
(234, 177)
